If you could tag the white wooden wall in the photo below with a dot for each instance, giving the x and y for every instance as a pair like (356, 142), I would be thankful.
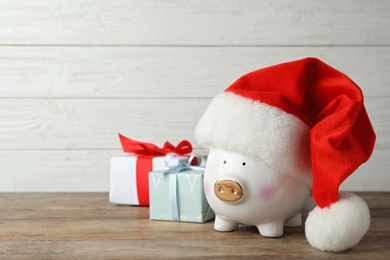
(74, 73)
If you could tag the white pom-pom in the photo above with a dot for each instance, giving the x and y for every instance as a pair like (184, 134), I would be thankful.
(340, 226)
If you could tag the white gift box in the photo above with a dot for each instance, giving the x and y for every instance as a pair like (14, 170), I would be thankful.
(123, 177)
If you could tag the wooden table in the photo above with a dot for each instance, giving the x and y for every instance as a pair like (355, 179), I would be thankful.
(87, 226)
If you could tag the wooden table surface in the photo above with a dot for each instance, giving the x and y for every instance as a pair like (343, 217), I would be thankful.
(87, 226)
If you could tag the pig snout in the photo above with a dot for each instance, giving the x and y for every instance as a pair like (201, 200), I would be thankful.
(228, 190)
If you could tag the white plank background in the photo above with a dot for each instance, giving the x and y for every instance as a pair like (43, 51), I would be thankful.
(75, 73)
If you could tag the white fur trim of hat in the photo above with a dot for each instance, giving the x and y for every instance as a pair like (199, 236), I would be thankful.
(259, 131)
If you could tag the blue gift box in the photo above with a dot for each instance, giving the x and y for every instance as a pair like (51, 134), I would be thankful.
(178, 196)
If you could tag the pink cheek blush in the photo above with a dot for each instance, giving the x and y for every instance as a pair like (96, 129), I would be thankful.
(266, 192)
(206, 188)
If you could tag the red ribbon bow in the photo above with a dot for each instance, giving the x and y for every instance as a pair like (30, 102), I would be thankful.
(143, 148)
(144, 162)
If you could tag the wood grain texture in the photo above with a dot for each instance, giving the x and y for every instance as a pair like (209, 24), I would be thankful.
(166, 72)
(152, 22)
(94, 123)
(75, 73)
(87, 226)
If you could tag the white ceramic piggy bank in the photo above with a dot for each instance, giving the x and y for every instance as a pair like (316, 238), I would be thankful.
(278, 134)
(242, 190)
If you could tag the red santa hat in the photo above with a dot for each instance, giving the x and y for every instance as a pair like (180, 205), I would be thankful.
(306, 119)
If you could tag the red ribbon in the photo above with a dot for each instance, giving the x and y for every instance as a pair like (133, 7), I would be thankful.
(144, 165)
(143, 148)
(144, 162)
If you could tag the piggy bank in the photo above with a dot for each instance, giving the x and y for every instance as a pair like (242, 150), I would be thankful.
(279, 134)
(243, 190)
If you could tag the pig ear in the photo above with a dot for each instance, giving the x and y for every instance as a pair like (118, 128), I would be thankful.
(339, 226)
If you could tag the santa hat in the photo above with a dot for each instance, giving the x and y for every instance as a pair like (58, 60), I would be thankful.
(306, 119)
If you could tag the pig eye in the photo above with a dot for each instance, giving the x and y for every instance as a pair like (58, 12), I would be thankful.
(224, 162)
(243, 163)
